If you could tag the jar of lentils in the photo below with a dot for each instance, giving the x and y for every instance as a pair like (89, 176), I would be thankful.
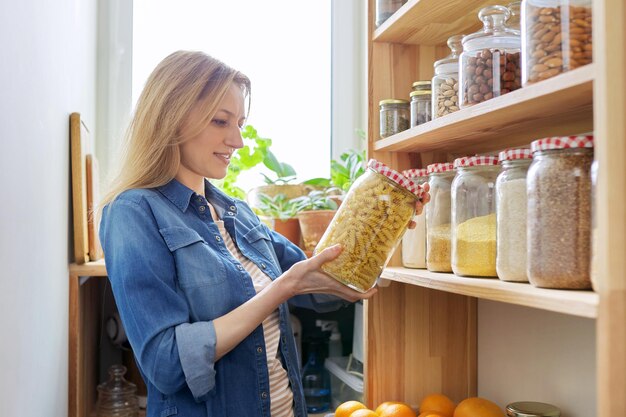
(559, 212)
(511, 215)
(438, 217)
(394, 116)
(445, 83)
(414, 240)
(474, 216)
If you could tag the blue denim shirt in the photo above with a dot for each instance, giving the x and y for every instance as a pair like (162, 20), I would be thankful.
(171, 275)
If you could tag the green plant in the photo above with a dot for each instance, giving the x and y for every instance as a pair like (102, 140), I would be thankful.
(277, 207)
(317, 200)
(350, 166)
(284, 172)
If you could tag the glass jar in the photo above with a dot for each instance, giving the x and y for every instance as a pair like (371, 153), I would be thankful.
(474, 216)
(438, 217)
(423, 85)
(490, 63)
(445, 83)
(414, 240)
(116, 397)
(511, 215)
(559, 212)
(594, 226)
(386, 8)
(532, 409)
(420, 107)
(515, 9)
(369, 225)
(394, 117)
(556, 37)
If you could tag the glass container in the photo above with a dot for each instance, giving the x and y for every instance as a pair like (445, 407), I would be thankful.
(369, 225)
(556, 37)
(490, 63)
(511, 215)
(414, 240)
(474, 216)
(445, 83)
(594, 226)
(559, 212)
(423, 85)
(386, 8)
(438, 217)
(532, 409)
(394, 116)
(515, 20)
(420, 107)
(116, 397)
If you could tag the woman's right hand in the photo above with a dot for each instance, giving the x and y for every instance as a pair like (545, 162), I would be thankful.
(307, 277)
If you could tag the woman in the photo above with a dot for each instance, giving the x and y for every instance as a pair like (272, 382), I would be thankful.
(201, 284)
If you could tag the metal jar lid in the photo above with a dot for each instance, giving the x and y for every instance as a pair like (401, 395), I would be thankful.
(532, 409)
(392, 101)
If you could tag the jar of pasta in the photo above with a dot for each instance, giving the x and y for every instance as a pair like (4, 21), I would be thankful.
(438, 217)
(369, 224)
(414, 240)
(474, 216)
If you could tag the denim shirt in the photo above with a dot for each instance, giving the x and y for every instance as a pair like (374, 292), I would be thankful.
(171, 275)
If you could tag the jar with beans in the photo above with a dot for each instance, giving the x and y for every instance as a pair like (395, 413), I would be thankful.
(511, 215)
(474, 216)
(445, 83)
(414, 240)
(559, 212)
(369, 225)
(438, 217)
(490, 63)
(556, 37)
(394, 117)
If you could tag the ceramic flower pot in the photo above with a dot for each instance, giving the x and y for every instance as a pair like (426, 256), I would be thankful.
(313, 224)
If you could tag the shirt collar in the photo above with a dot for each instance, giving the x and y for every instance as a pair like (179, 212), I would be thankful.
(180, 195)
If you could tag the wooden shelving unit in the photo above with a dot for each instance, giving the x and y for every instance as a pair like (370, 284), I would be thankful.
(427, 322)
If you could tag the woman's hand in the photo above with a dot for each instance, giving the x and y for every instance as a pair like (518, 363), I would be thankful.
(419, 205)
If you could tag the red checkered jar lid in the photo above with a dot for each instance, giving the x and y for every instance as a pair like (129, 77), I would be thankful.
(513, 154)
(396, 177)
(562, 142)
(415, 173)
(474, 161)
(440, 167)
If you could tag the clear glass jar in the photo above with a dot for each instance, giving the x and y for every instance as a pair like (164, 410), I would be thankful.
(515, 20)
(532, 409)
(369, 225)
(474, 216)
(394, 116)
(438, 217)
(414, 240)
(490, 63)
(556, 37)
(594, 226)
(420, 107)
(423, 85)
(559, 212)
(511, 215)
(445, 83)
(116, 397)
(386, 8)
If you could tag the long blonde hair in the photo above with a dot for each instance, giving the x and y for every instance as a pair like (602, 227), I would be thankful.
(184, 79)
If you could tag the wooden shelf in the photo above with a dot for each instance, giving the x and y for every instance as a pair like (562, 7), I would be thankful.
(575, 303)
(431, 22)
(89, 269)
(560, 106)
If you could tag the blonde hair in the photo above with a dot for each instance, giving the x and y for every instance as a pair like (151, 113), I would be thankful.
(184, 79)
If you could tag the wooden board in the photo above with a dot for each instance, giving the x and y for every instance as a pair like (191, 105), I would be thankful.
(93, 196)
(78, 144)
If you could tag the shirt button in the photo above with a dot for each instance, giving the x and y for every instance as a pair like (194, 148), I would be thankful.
(233, 208)
(230, 213)
(202, 208)
(259, 349)
(264, 395)
(239, 267)
(219, 239)
(263, 266)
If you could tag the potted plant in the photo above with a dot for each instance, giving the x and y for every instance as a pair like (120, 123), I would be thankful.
(315, 212)
(279, 212)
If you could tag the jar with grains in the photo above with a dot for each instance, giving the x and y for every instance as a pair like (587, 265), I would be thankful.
(474, 216)
(594, 226)
(559, 212)
(420, 107)
(414, 240)
(394, 116)
(511, 215)
(490, 63)
(438, 217)
(515, 20)
(556, 37)
(369, 225)
(532, 409)
(445, 83)
(386, 8)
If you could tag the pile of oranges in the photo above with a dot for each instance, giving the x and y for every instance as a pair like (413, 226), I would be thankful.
(432, 405)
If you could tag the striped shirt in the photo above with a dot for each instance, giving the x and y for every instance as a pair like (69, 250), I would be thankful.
(281, 396)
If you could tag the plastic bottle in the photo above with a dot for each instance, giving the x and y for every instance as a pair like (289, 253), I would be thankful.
(316, 380)
(335, 348)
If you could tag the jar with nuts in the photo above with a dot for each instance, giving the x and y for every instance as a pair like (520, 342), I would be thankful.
(445, 83)
(490, 63)
(556, 37)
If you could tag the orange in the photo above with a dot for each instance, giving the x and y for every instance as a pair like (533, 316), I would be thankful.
(347, 408)
(429, 414)
(398, 410)
(438, 404)
(477, 407)
(384, 405)
(363, 412)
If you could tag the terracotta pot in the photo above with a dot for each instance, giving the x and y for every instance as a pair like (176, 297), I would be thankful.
(290, 190)
(313, 224)
(289, 228)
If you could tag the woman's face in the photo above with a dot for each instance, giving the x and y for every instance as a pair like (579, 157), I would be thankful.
(207, 154)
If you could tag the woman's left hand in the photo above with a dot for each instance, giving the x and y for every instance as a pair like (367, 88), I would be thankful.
(419, 205)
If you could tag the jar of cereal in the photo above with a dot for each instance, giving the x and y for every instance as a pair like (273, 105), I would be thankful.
(414, 240)
(445, 83)
(438, 217)
(559, 212)
(394, 117)
(474, 216)
(369, 225)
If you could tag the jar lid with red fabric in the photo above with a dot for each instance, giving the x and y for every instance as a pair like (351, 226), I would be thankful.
(472, 161)
(562, 142)
(396, 177)
(415, 172)
(440, 167)
(515, 154)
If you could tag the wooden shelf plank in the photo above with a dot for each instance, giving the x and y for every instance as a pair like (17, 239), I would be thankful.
(89, 269)
(575, 303)
(431, 22)
(562, 105)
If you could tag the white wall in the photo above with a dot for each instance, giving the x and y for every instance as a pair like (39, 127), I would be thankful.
(47, 71)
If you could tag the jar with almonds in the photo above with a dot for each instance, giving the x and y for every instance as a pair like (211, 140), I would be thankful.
(490, 63)
(556, 37)
(445, 83)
